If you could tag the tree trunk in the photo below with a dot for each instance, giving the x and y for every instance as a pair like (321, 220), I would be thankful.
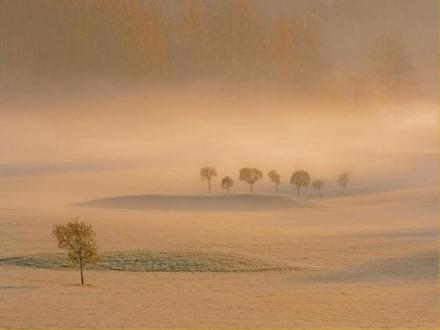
(343, 189)
(251, 187)
(276, 187)
(297, 191)
(82, 275)
(209, 185)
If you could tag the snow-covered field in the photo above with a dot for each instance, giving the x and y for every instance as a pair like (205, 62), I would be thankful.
(356, 261)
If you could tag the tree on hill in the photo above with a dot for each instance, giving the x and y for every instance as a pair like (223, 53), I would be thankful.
(207, 173)
(250, 175)
(227, 183)
(318, 185)
(300, 179)
(275, 178)
(78, 240)
(342, 181)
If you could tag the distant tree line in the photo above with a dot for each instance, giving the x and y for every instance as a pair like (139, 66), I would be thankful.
(300, 179)
(230, 41)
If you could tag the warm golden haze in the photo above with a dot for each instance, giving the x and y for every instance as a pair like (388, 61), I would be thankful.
(239, 164)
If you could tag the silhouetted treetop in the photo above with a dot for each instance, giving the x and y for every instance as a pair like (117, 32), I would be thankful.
(206, 174)
(300, 179)
(343, 179)
(250, 176)
(275, 178)
(318, 185)
(227, 183)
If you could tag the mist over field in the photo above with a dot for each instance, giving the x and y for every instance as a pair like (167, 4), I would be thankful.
(108, 151)
(109, 110)
(151, 90)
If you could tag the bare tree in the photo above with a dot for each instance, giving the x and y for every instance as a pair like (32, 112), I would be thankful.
(343, 180)
(318, 185)
(207, 173)
(300, 179)
(275, 178)
(227, 183)
(78, 239)
(250, 175)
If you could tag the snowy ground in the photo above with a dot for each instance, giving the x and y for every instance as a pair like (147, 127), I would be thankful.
(357, 261)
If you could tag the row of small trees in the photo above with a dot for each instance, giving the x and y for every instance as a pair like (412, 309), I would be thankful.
(251, 175)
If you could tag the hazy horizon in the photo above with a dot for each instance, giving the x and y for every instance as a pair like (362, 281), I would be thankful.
(323, 86)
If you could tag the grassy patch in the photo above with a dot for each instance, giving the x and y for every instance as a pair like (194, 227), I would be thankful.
(146, 261)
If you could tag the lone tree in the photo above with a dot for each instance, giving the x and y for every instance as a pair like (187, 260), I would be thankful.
(275, 178)
(227, 183)
(206, 174)
(318, 185)
(300, 179)
(250, 175)
(343, 180)
(78, 239)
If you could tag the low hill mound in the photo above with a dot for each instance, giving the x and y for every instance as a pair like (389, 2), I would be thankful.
(211, 202)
